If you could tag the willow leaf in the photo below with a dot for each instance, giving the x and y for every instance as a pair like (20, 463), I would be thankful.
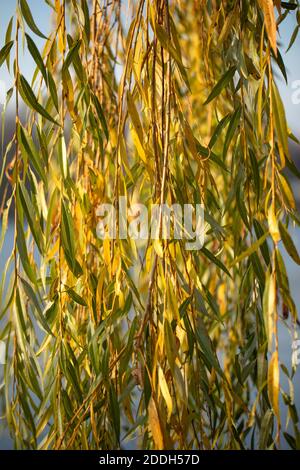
(222, 83)
(252, 249)
(30, 98)
(36, 57)
(288, 243)
(27, 15)
(4, 52)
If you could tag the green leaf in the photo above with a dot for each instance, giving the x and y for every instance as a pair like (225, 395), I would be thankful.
(166, 43)
(30, 98)
(206, 346)
(222, 83)
(4, 53)
(28, 148)
(234, 121)
(252, 249)
(27, 15)
(207, 153)
(71, 55)
(266, 430)
(282, 276)
(53, 90)
(8, 38)
(87, 28)
(215, 260)
(255, 171)
(218, 130)
(293, 38)
(68, 363)
(67, 230)
(211, 302)
(288, 243)
(22, 250)
(76, 297)
(281, 65)
(264, 246)
(290, 439)
(9, 30)
(36, 57)
(75, 58)
(280, 119)
(30, 211)
(68, 241)
(115, 410)
(240, 201)
(170, 344)
(36, 302)
(100, 115)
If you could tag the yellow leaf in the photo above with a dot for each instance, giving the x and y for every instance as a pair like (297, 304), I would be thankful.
(172, 303)
(271, 307)
(138, 145)
(134, 115)
(227, 26)
(116, 262)
(100, 287)
(106, 251)
(61, 32)
(52, 252)
(273, 383)
(273, 224)
(165, 391)
(155, 425)
(158, 248)
(287, 191)
(268, 8)
(149, 259)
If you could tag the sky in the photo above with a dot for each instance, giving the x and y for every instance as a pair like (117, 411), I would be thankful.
(42, 15)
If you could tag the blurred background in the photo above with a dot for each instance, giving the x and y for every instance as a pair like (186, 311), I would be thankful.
(42, 14)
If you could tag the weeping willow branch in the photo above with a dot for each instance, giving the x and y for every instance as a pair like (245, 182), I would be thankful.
(117, 338)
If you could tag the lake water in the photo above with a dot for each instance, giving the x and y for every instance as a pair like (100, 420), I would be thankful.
(284, 335)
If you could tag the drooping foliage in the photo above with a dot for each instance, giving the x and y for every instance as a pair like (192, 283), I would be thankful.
(163, 101)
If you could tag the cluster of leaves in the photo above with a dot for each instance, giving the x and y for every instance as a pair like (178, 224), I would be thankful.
(110, 341)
